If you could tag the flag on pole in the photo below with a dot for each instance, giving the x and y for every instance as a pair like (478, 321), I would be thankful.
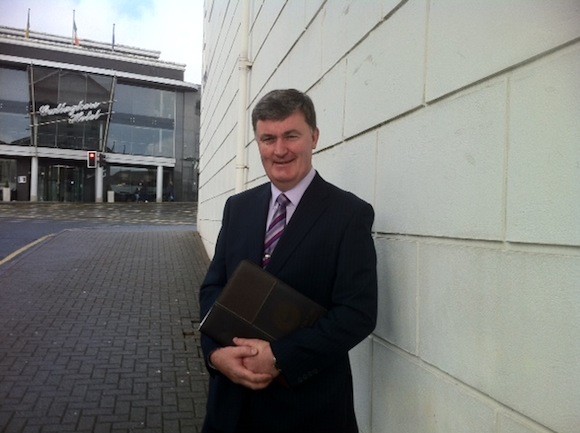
(113, 41)
(28, 25)
(75, 35)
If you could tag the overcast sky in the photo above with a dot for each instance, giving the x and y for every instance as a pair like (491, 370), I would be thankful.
(174, 27)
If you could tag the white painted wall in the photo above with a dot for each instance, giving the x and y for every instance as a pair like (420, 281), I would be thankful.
(459, 121)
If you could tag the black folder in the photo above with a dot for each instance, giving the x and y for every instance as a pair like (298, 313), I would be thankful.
(255, 304)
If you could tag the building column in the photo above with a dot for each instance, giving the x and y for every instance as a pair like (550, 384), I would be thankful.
(99, 184)
(159, 183)
(34, 178)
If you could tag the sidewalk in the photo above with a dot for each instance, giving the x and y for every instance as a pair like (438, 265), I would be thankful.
(96, 333)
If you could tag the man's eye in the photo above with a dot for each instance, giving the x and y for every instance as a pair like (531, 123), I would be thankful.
(268, 140)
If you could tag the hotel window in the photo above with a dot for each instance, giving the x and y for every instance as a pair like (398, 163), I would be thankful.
(71, 108)
(143, 121)
(14, 107)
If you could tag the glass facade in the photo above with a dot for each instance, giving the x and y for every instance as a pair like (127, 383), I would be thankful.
(137, 183)
(140, 129)
(14, 107)
(71, 109)
(143, 122)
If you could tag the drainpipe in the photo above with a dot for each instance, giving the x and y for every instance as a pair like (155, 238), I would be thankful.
(244, 66)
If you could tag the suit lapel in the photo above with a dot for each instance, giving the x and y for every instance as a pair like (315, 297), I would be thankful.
(311, 206)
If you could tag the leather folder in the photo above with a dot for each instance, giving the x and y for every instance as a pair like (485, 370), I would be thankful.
(255, 304)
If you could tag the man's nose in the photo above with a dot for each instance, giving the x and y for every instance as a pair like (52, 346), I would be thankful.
(280, 147)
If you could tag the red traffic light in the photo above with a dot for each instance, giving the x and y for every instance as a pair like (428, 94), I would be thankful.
(92, 159)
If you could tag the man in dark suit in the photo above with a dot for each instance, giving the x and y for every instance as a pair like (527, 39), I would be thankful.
(301, 383)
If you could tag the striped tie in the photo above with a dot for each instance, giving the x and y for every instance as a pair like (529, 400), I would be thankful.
(275, 229)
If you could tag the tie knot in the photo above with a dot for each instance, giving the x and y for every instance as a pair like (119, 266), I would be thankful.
(283, 201)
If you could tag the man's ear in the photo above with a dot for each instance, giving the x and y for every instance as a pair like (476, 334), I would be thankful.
(315, 135)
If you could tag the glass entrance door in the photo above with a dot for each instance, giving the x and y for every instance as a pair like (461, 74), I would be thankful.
(61, 183)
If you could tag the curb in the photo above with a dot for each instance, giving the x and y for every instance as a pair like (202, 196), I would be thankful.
(25, 248)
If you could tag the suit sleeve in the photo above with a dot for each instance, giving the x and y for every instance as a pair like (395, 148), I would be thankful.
(353, 312)
(215, 280)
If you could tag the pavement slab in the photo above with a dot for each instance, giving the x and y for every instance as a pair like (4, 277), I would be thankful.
(96, 333)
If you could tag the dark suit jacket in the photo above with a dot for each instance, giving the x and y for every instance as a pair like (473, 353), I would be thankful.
(328, 254)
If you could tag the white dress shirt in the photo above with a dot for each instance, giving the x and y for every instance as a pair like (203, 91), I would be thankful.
(294, 195)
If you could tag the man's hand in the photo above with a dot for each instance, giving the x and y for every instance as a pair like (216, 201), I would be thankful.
(263, 361)
(230, 362)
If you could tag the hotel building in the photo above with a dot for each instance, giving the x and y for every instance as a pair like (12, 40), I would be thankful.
(93, 122)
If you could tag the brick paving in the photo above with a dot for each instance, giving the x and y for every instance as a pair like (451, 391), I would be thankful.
(96, 333)
(174, 213)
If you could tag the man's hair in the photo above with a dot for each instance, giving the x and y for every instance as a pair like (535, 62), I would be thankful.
(279, 104)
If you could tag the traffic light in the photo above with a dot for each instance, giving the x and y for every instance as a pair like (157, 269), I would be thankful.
(92, 159)
(102, 159)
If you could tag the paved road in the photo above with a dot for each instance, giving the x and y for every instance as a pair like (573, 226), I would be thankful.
(23, 223)
(95, 320)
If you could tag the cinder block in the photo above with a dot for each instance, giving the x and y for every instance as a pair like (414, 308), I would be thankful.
(345, 23)
(279, 41)
(397, 270)
(409, 398)
(505, 322)
(303, 65)
(389, 6)
(311, 9)
(544, 152)
(384, 79)
(507, 423)
(471, 40)
(254, 161)
(440, 171)
(328, 97)
(350, 166)
(264, 15)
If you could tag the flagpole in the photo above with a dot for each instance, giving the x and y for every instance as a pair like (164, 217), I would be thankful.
(113, 41)
(27, 34)
(75, 38)
(28, 25)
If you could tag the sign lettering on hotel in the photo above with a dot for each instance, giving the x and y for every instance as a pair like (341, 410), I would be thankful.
(81, 112)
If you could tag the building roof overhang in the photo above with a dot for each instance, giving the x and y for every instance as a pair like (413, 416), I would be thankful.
(145, 79)
(90, 50)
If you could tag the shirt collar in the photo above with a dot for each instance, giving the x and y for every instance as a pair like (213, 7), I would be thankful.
(295, 194)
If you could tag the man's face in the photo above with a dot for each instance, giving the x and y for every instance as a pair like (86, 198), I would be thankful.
(286, 149)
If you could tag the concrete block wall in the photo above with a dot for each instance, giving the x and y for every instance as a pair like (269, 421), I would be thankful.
(458, 121)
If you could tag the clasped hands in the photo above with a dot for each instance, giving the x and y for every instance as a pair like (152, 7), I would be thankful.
(249, 363)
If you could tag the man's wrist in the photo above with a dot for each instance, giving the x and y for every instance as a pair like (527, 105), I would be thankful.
(209, 363)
